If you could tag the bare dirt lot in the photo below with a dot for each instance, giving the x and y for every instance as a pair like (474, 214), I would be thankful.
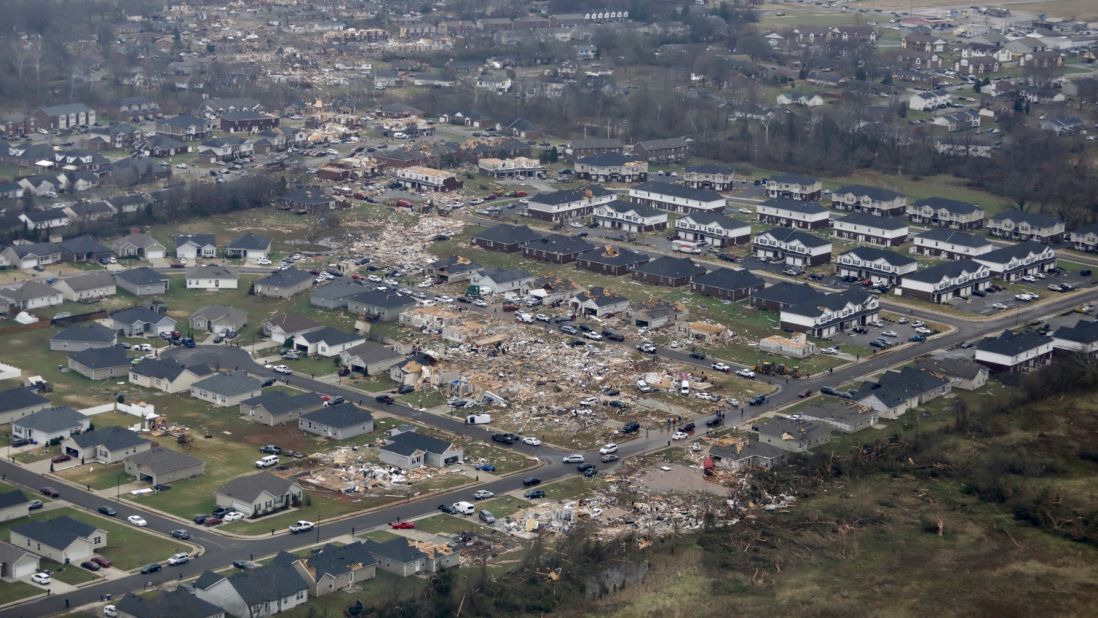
(679, 478)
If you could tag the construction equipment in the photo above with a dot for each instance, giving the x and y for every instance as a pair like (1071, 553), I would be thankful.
(610, 251)
(777, 369)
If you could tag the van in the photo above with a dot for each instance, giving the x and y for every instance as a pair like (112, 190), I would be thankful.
(478, 419)
(464, 508)
(487, 517)
(685, 387)
(267, 461)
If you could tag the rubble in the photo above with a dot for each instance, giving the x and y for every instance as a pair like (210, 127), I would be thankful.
(411, 252)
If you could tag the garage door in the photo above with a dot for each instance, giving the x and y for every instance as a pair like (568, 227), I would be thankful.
(24, 568)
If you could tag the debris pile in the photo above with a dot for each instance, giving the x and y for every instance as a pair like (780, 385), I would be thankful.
(404, 248)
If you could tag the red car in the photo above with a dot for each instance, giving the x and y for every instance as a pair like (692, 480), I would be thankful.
(103, 562)
(402, 525)
(61, 458)
(212, 521)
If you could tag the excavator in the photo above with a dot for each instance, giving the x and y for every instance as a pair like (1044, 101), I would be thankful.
(777, 369)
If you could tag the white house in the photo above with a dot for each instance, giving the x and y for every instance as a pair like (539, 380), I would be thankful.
(867, 228)
(794, 247)
(677, 198)
(715, 229)
(1012, 352)
(212, 277)
(945, 282)
(802, 214)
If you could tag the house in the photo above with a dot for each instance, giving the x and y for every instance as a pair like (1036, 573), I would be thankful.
(948, 244)
(183, 127)
(726, 284)
(786, 212)
(828, 314)
(140, 246)
(946, 213)
(225, 148)
(896, 392)
(397, 556)
(1082, 338)
(963, 373)
(958, 121)
(283, 283)
(13, 505)
(1085, 238)
(791, 246)
(556, 248)
(420, 178)
(943, 283)
(568, 204)
(16, 563)
(218, 318)
(1013, 352)
(791, 435)
(142, 281)
(370, 358)
(259, 494)
(90, 211)
(327, 341)
(920, 41)
(286, 326)
(246, 121)
(194, 246)
(15, 403)
(336, 567)
(212, 277)
(339, 422)
(278, 407)
(100, 363)
(501, 280)
(28, 296)
(106, 445)
(663, 151)
(61, 539)
(248, 247)
(597, 302)
(716, 230)
(79, 338)
(668, 271)
(141, 322)
(612, 167)
(252, 593)
(655, 314)
(31, 255)
(334, 295)
(866, 228)
(453, 269)
(1019, 225)
(306, 200)
(871, 200)
(48, 219)
(86, 287)
(782, 295)
(841, 415)
(67, 116)
(178, 603)
(1070, 125)
(412, 450)
(517, 167)
(383, 305)
(226, 389)
(504, 238)
(630, 217)
(84, 249)
(795, 345)
(677, 198)
(794, 187)
(880, 266)
(167, 374)
(753, 455)
(929, 100)
(611, 260)
(166, 146)
(1013, 262)
(967, 145)
(715, 177)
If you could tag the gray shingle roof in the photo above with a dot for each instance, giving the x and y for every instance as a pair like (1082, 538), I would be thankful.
(178, 604)
(1083, 332)
(162, 460)
(111, 438)
(101, 358)
(608, 159)
(794, 179)
(141, 276)
(507, 234)
(396, 549)
(680, 191)
(788, 235)
(335, 560)
(560, 244)
(624, 257)
(167, 368)
(951, 270)
(942, 234)
(806, 208)
(280, 402)
(59, 532)
(871, 254)
(1011, 343)
(729, 279)
(665, 266)
(331, 336)
(52, 420)
(951, 206)
(340, 415)
(873, 193)
(92, 333)
(19, 398)
(12, 498)
(868, 220)
(337, 290)
(247, 488)
(410, 442)
(567, 196)
(384, 299)
(250, 241)
(285, 278)
(229, 384)
(369, 352)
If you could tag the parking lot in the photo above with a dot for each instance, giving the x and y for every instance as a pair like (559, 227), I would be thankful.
(903, 333)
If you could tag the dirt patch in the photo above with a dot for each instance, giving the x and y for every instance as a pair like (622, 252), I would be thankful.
(678, 478)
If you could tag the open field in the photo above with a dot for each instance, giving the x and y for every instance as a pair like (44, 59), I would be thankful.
(16, 591)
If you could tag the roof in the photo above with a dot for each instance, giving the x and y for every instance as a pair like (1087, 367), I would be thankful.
(620, 257)
(138, 314)
(608, 159)
(1011, 343)
(345, 414)
(382, 298)
(781, 426)
(20, 398)
(715, 218)
(163, 460)
(894, 388)
(249, 487)
(832, 302)
(656, 144)
(29, 290)
(729, 279)
(788, 235)
(370, 351)
(336, 560)
(642, 210)
(807, 208)
(946, 235)
(92, 333)
(600, 297)
(66, 109)
(331, 336)
(101, 358)
(709, 169)
(110, 438)
(794, 179)
(37, 248)
(200, 240)
(250, 241)
(680, 191)
(212, 271)
(568, 196)
(504, 275)
(59, 532)
(508, 234)
(398, 549)
(267, 583)
(292, 323)
(229, 384)
(218, 312)
(167, 368)
(872, 254)
(280, 402)
(183, 121)
(751, 449)
(786, 293)
(84, 244)
(52, 420)
(337, 290)
(410, 442)
(560, 244)
(141, 276)
(945, 270)
(1020, 250)
(12, 498)
(597, 142)
(90, 281)
(952, 366)
(952, 206)
(178, 603)
(285, 278)
(1034, 219)
(868, 220)
(666, 266)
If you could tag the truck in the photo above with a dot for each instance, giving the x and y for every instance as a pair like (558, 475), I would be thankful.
(478, 419)
(686, 246)
(476, 291)
(525, 318)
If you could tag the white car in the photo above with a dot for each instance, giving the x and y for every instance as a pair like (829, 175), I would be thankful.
(901, 321)
(573, 458)
(110, 611)
(541, 317)
(263, 261)
(678, 435)
(722, 367)
(832, 350)
(143, 347)
(480, 303)
(745, 373)
(746, 211)
(137, 520)
(531, 440)
(608, 448)
(41, 578)
(178, 559)
(282, 369)
(233, 516)
(301, 526)
(589, 401)
(593, 336)
(482, 494)
(735, 403)
(576, 224)
(1029, 278)
(999, 306)
(890, 333)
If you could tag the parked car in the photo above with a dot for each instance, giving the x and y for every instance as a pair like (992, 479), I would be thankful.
(213, 521)
(268, 449)
(301, 526)
(41, 579)
(722, 367)
(530, 481)
(178, 559)
(572, 459)
(533, 494)
(446, 508)
(89, 565)
(385, 399)
(102, 562)
(482, 494)
(61, 458)
(152, 567)
(35, 505)
(402, 525)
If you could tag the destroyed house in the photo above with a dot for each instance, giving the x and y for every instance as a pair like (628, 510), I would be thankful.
(791, 434)
(412, 450)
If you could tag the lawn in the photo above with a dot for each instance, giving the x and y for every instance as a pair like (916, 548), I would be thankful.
(127, 546)
(96, 475)
(571, 488)
(322, 507)
(73, 574)
(506, 461)
(504, 506)
(424, 398)
(11, 592)
(384, 588)
(448, 524)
